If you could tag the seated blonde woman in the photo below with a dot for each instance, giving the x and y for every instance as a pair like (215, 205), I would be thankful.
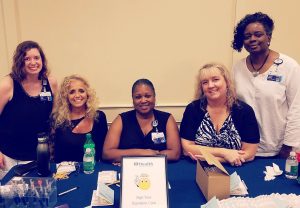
(75, 114)
(144, 130)
(217, 122)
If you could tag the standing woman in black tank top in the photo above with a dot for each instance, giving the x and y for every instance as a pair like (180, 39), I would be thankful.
(26, 102)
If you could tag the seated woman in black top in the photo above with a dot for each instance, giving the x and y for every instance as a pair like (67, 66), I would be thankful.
(217, 122)
(75, 114)
(144, 130)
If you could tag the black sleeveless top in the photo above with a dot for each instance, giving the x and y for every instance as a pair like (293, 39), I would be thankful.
(22, 118)
(132, 136)
(69, 145)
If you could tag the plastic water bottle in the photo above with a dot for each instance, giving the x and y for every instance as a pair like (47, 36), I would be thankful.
(43, 155)
(89, 143)
(88, 161)
(291, 166)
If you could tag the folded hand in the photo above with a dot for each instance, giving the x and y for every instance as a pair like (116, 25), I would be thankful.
(234, 157)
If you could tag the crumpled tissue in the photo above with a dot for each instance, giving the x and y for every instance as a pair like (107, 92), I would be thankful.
(272, 171)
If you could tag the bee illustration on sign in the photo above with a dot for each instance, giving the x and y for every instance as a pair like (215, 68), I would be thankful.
(143, 181)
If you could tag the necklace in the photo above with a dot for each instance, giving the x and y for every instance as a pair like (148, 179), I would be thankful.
(256, 71)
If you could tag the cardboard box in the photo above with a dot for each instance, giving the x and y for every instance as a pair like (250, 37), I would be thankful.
(212, 178)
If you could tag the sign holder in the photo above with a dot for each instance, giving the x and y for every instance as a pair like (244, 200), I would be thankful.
(144, 182)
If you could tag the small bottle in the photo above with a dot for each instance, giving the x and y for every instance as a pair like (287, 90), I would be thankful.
(89, 143)
(291, 166)
(298, 159)
(88, 161)
(43, 155)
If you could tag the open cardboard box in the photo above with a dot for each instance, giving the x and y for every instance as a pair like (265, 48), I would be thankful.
(212, 178)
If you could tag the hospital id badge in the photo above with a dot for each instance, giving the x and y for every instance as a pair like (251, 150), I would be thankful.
(275, 78)
(46, 96)
(158, 137)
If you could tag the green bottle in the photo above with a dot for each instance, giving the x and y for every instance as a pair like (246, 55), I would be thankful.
(88, 161)
(89, 143)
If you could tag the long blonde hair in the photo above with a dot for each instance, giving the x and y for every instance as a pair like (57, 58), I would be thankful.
(231, 97)
(62, 109)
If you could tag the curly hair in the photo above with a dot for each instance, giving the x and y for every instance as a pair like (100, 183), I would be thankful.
(264, 19)
(62, 108)
(17, 71)
(231, 96)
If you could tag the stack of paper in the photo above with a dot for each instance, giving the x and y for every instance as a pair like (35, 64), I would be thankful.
(107, 176)
(65, 166)
(263, 201)
(104, 195)
(237, 186)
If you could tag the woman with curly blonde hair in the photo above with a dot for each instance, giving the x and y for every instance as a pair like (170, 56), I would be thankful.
(216, 121)
(75, 114)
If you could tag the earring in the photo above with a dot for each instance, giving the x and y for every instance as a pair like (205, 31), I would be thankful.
(268, 43)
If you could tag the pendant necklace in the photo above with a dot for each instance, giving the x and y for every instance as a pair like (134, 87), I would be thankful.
(255, 73)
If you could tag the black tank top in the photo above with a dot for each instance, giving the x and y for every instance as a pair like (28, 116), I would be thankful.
(22, 118)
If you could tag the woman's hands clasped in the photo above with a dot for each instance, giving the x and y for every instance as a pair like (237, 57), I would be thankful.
(234, 157)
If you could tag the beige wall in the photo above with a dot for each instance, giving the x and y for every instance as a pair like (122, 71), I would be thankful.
(115, 42)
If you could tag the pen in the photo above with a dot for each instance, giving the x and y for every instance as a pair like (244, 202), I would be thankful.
(115, 182)
(67, 191)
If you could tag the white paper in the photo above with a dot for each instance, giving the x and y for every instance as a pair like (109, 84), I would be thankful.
(103, 191)
(108, 176)
(99, 201)
(262, 201)
(271, 172)
(144, 182)
(237, 186)
(65, 167)
(212, 203)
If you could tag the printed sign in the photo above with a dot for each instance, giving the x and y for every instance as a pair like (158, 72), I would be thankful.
(144, 182)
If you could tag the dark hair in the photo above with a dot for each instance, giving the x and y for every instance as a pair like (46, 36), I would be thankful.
(142, 82)
(264, 19)
(17, 71)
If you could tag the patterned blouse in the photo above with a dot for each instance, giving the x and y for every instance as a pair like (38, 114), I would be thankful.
(228, 136)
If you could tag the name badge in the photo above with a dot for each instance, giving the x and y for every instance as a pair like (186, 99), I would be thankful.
(158, 137)
(275, 78)
(46, 96)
